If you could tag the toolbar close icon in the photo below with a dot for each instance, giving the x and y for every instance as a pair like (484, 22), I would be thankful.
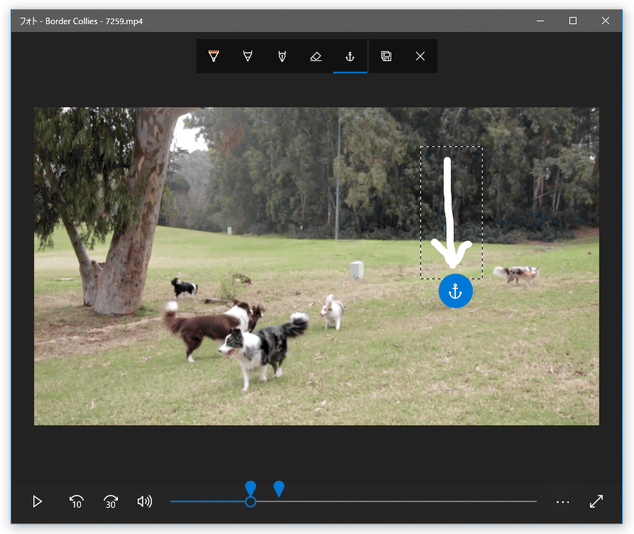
(247, 54)
(282, 55)
(213, 54)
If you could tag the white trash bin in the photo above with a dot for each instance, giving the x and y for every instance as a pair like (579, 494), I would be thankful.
(356, 270)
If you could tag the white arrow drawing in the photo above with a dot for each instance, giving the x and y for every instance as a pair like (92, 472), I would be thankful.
(452, 257)
(592, 504)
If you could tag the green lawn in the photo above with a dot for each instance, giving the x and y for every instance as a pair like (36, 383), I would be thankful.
(515, 355)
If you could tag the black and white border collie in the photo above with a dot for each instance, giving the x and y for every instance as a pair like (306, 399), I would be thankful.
(194, 329)
(515, 273)
(184, 287)
(266, 346)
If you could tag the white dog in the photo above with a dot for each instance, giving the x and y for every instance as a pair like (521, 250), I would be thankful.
(332, 312)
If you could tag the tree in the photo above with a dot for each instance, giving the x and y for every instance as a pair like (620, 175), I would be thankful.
(273, 169)
(373, 149)
(505, 139)
(102, 170)
(175, 192)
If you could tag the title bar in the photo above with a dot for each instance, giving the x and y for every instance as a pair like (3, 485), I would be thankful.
(268, 21)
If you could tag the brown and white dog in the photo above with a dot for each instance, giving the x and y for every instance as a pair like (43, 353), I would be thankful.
(194, 329)
(515, 273)
(332, 311)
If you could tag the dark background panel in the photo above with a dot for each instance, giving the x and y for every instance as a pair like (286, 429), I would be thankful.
(473, 70)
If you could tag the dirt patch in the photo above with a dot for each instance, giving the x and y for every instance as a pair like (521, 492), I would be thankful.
(65, 329)
(90, 340)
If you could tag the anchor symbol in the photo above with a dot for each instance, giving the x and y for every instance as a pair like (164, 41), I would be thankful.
(458, 298)
(455, 288)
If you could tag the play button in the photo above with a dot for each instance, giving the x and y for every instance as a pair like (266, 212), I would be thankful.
(36, 501)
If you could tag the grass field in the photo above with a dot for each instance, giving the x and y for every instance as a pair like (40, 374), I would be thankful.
(515, 355)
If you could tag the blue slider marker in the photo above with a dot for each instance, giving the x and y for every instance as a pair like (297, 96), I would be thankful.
(250, 500)
(455, 291)
(278, 487)
(350, 72)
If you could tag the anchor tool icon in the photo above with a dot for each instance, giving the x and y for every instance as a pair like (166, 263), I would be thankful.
(455, 288)
(455, 291)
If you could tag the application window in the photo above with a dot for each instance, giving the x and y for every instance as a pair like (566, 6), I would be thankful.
(317, 266)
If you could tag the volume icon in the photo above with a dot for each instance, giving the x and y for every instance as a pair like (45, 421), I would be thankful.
(144, 501)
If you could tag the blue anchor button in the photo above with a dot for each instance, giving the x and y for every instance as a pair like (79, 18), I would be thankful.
(455, 291)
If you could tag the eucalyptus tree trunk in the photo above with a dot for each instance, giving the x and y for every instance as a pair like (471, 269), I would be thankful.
(121, 278)
(88, 269)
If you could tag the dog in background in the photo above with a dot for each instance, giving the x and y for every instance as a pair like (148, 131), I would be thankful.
(184, 287)
(255, 314)
(332, 311)
(266, 346)
(194, 329)
(515, 273)
(242, 278)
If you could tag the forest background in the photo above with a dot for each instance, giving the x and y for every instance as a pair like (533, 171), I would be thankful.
(275, 170)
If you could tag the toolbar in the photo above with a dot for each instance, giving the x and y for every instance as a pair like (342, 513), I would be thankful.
(333, 56)
(258, 501)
